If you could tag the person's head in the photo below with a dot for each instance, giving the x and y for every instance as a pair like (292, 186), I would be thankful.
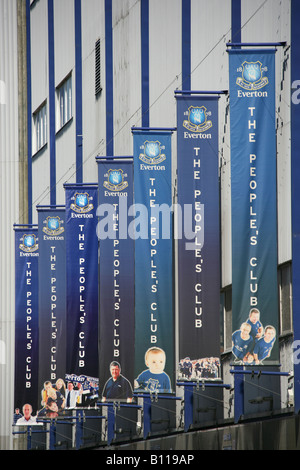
(52, 393)
(115, 370)
(155, 359)
(47, 385)
(70, 386)
(254, 315)
(245, 330)
(269, 333)
(250, 358)
(27, 410)
(52, 405)
(60, 384)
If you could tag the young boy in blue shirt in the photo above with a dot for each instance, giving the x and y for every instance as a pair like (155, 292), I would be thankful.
(154, 379)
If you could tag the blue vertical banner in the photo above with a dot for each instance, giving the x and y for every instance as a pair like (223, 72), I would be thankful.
(52, 294)
(26, 317)
(254, 206)
(198, 236)
(154, 302)
(116, 278)
(82, 280)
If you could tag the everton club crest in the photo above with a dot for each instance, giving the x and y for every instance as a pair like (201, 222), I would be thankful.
(81, 203)
(252, 76)
(152, 153)
(29, 243)
(115, 180)
(197, 119)
(53, 226)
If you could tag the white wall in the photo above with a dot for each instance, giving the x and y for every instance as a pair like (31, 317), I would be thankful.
(94, 121)
(64, 53)
(127, 73)
(209, 65)
(39, 93)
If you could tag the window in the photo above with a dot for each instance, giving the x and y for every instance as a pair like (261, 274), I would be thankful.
(64, 103)
(39, 128)
(2, 92)
(98, 87)
(285, 298)
(2, 353)
(227, 312)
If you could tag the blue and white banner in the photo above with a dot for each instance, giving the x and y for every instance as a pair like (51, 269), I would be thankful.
(26, 317)
(154, 302)
(52, 294)
(116, 278)
(198, 237)
(82, 279)
(254, 206)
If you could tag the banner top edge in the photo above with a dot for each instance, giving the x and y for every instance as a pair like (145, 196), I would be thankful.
(153, 129)
(78, 185)
(112, 158)
(45, 207)
(20, 226)
(251, 51)
(200, 92)
(256, 44)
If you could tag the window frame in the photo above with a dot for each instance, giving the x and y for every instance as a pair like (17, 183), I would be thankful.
(98, 87)
(227, 318)
(40, 127)
(64, 102)
(285, 298)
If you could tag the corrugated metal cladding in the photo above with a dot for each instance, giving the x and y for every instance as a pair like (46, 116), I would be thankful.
(9, 213)
(134, 42)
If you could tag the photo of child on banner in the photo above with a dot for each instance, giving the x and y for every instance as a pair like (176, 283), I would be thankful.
(154, 379)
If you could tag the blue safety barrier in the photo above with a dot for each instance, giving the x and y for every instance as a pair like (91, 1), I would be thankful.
(189, 397)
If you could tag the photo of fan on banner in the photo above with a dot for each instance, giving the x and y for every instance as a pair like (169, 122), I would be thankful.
(64, 395)
(117, 387)
(253, 343)
(204, 368)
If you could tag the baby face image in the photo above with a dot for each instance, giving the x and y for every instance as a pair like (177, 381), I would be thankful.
(156, 362)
